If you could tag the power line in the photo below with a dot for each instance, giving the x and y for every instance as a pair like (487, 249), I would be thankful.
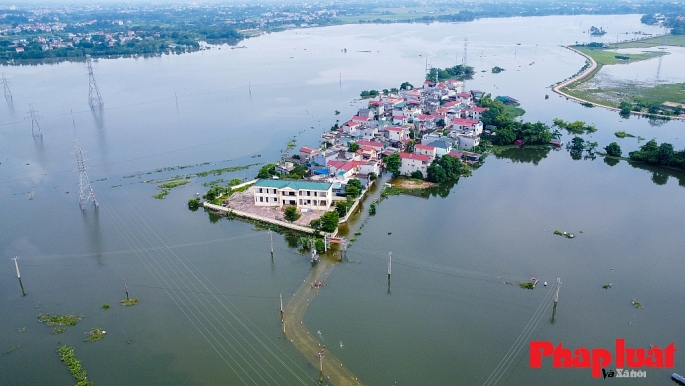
(5, 83)
(86, 192)
(94, 98)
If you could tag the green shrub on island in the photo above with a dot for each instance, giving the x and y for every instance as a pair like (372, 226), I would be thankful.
(497, 70)
(529, 286)
(662, 155)
(130, 302)
(194, 203)
(66, 355)
(613, 149)
(577, 127)
(95, 334)
(623, 134)
(59, 320)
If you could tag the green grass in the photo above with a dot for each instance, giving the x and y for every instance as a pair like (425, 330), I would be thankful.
(130, 302)
(513, 111)
(671, 40)
(604, 57)
(57, 331)
(95, 334)
(59, 320)
(173, 184)
(612, 96)
(529, 286)
(66, 355)
(623, 134)
(161, 195)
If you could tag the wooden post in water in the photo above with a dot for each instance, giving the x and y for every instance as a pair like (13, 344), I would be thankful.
(389, 269)
(282, 315)
(321, 363)
(16, 265)
(556, 300)
(271, 238)
(125, 286)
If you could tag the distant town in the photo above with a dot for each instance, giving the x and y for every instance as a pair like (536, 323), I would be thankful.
(69, 32)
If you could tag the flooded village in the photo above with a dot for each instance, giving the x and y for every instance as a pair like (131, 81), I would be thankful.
(413, 125)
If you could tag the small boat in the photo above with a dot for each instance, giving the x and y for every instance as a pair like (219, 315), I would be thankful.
(678, 378)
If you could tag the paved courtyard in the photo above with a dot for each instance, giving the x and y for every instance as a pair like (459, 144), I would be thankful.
(244, 201)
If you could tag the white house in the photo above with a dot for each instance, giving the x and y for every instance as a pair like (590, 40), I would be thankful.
(467, 141)
(467, 125)
(371, 166)
(302, 194)
(396, 134)
(412, 162)
(425, 150)
(307, 154)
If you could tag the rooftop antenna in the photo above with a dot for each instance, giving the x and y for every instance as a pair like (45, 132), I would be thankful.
(8, 93)
(35, 127)
(86, 192)
(94, 98)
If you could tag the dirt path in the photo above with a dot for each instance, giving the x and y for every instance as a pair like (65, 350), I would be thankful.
(295, 330)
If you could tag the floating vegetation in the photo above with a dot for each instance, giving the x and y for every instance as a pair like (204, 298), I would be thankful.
(564, 234)
(577, 127)
(95, 334)
(161, 195)
(173, 184)
(59, 320)
(213, 183)
(637, 304)
(105, 306)
(357, 233)
(23, 329)
(353, 240)
(12, 349)
(57, 331)
(290, 145)
(218, 172)
(623, 134)
(130, 302)
(606, 286)
(389, 233)
(529, 285)
(66, 355)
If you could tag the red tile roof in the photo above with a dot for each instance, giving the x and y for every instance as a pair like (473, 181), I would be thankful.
(424, 147)
(375, 145)
(413, 156)
(394, 128)
(464, 122)
(307, 150)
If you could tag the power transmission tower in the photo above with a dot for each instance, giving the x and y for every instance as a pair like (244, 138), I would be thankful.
(35, 128)
(86, 192)
(466, 46)
(5, 83)
(94, 98)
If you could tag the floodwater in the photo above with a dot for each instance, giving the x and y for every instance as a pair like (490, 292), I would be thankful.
(208, 289)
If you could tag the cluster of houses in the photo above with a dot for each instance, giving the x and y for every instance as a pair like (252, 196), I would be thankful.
(419, 124)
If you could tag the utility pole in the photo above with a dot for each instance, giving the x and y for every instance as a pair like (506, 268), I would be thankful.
(389, 269)
(5, 83)
(94, 98)
(126, 287)
(321, 362)
(176, 97)
(86, 192)
(16, 265)
(271, 238)
(282, 315)
(35, 127)
(556, 300)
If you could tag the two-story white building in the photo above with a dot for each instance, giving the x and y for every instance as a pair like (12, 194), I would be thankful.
(302, 194)
(412, 162)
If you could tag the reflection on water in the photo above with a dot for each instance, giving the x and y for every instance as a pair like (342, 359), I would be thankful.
(660, 175)
(526, 154)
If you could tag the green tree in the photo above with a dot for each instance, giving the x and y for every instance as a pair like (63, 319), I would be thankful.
(351, 192)
(341, 207)
(320, 246)
(504, 137)
(613, 149)
(417, 174)
(329, 221)
(291, 214)
(372, 176)
(352, 147)
(393, 163)
(665, 153)
(436, 173)
(355, 182)
(267, 171)
(406, 86)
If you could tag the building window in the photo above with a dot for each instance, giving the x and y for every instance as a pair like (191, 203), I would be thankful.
(260, 190)
(300, 201)
(275, 199)
(261, 199)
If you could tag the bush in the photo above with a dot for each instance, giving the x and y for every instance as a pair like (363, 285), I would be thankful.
(329, 221)
(613, 149)
(291, 214)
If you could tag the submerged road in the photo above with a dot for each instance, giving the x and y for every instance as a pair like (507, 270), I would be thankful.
(295, 330)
